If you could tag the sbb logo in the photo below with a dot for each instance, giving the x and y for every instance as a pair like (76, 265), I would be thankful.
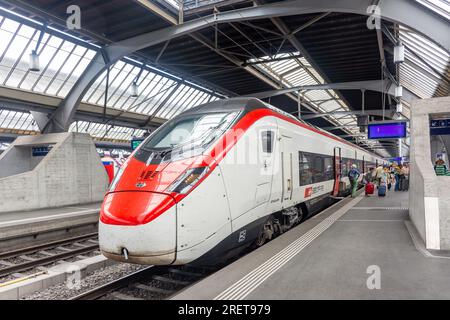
(308, 192)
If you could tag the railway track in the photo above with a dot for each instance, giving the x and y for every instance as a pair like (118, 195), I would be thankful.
(16, 261)
(151, 283)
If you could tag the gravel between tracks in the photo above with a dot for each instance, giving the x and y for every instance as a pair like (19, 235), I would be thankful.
(96, 278)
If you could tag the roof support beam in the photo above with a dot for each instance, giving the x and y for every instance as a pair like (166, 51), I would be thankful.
(157, 10)
(372, 85)
(23, 101)
(404, 12)
(344, 113)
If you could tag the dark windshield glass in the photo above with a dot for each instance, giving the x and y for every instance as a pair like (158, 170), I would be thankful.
(190, 132)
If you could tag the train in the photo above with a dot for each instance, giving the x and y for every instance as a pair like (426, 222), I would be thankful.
(220, 178)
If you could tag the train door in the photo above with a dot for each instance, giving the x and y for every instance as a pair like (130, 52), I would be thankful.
(337, 169)
(287, 183)
(363, 165)
(266, 163)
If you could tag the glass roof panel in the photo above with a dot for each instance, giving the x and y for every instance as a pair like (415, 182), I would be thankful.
(63, 61)
(441, 7)
(425, 70)
(106, 132)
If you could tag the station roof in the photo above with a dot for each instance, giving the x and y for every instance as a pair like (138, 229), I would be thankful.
(220, 61)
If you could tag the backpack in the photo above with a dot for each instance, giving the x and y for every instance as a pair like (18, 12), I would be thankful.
(353, 174)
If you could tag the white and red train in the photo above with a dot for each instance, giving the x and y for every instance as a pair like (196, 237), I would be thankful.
(218, 178)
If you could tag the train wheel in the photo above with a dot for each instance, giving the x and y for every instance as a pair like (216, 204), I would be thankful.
(265, 234)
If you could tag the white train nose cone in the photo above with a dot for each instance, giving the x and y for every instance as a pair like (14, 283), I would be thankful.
(153, 243)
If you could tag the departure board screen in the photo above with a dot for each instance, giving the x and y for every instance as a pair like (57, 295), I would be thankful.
(389, 130)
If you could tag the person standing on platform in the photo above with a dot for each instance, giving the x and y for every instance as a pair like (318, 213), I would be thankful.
(353, 175)
(405, 182)
(440, 168)
(397, 173)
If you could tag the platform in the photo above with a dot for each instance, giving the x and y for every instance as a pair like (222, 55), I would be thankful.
(338, 254)
(18, 229)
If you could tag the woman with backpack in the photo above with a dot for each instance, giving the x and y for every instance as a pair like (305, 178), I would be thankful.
(353, 175)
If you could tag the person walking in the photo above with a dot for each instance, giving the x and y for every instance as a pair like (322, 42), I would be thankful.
(378, 172)
(353, 175)
(384, 180)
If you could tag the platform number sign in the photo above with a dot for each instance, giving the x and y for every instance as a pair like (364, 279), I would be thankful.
(440, 127)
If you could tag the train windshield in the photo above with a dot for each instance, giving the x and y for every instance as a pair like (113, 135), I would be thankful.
(190, 132)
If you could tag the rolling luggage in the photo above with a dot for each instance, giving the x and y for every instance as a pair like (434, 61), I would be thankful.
(382, 190)
(369, 188)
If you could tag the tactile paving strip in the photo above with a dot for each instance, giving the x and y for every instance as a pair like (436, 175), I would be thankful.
(380, 208)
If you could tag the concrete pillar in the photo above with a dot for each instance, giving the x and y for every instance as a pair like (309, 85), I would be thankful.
(71, 173)
(429, 199)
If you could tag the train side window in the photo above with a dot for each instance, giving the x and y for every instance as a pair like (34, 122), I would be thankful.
(329, 169)
(267, 141)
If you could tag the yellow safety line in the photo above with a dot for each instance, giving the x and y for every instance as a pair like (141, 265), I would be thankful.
(8, 283)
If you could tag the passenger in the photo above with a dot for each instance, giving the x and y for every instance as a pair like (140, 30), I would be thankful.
(377, 174)
(384, 177)
(390, 178)
(397, 170)
(440, 168)
(353, 175)
(404, 178)
(368, 177)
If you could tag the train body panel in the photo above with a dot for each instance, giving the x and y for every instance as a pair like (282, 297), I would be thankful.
(264, 170)
(150, 243)
(201, 227)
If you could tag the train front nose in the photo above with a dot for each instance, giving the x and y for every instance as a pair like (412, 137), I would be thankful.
(138, 227)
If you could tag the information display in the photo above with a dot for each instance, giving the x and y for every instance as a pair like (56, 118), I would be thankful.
(135, 142)
(440, 127)
(388, 130)
(40, 151)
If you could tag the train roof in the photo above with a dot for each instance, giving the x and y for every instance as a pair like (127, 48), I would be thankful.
(239, 103)
(250, 103)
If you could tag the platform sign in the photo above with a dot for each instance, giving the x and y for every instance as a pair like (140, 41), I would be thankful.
(39, 151)
(135, 142)
(387, 130)
(439, 127)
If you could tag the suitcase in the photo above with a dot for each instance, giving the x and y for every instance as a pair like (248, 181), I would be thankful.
(382, 190)
(369, 188)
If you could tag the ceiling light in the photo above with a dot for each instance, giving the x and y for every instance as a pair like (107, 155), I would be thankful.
(134, 90)
(398, 91)
(34, 62)
(399, 53)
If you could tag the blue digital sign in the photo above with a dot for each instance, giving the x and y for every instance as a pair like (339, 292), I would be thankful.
(39, 151)
(440, 127)
(387, 130)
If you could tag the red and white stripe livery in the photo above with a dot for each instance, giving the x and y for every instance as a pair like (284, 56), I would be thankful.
(218, 178)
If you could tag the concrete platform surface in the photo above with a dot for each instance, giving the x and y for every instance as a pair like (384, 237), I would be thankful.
(50, 213)
(358, 249)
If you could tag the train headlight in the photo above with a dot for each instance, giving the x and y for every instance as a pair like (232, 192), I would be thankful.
(188, 179)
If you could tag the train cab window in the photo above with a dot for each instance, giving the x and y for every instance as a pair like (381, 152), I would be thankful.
(267, 141)
(190, 132)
